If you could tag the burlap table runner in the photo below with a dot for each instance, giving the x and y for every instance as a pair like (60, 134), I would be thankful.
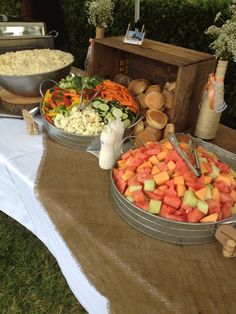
(136, 273)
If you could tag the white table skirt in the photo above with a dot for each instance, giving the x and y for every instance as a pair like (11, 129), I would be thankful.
(20, 156)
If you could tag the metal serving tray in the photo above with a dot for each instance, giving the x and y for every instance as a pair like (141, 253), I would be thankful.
(22, 29)
(25, 35)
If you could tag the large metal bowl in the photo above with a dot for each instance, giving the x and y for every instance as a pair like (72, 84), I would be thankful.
(28, 85)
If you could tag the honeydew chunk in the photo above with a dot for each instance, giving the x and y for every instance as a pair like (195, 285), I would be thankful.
(233, 209)
(215, 172)
(209, 192)
(134, 188)
(202, 206)
(233, 173)
(190, 199)
(130, 198)
(154, 206)
(149, 185)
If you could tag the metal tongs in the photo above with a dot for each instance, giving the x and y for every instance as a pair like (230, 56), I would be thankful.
(196, 170)
(82, 105)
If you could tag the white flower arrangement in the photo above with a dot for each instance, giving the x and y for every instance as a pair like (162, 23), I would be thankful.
(100, 12)
(224, 44)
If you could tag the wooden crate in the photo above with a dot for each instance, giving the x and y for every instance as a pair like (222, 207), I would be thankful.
(159, 63)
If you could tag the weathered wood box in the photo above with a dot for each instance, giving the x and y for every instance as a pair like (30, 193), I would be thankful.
(159, 63)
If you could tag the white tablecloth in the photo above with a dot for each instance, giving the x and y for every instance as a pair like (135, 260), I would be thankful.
(20, 156)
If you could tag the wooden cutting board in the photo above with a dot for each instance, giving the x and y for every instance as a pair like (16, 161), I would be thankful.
(14, 103)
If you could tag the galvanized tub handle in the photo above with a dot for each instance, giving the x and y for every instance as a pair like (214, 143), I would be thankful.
(229, 221)
(136, 122)
(129, 138)
(44, 81)
(53, 33)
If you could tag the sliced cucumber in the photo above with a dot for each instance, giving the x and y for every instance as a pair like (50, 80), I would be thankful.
(103, 107)
(96, 104)
(124, 116)
(116, 112)
(126, 123)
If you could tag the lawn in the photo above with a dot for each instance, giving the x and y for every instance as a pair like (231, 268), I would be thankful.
(30, 279)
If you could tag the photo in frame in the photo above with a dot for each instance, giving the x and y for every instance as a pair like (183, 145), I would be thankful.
(134, 37)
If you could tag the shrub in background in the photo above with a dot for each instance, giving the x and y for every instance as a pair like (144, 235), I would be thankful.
(178, 22)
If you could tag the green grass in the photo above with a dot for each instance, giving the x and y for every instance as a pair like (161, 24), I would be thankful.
(30, 279)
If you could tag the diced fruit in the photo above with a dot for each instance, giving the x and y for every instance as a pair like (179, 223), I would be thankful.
(210, 218)
(156, 179)
(195, 215)
(173, 201)
(130, 198)
(134, 188)
(127, 175)
(189, 199)
(154, 160)
(154, 206)
(161, 177)
(142, 204)
(180, 188)
(138, 196)
(149, 185)
(179, 180)
(171, 165)
(202, 206)
(215, 172)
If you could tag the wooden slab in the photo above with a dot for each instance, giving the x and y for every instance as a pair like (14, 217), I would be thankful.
(14, 103)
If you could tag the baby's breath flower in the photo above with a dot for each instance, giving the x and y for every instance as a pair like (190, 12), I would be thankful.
(100, 12)
(224, 44)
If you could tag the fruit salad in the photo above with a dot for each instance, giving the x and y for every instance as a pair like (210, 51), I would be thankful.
(156, 179)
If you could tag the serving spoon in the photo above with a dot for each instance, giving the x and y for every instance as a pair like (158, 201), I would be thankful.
(13, 116)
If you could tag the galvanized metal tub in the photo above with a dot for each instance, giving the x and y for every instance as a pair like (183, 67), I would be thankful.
(81, 142)
(165, 229)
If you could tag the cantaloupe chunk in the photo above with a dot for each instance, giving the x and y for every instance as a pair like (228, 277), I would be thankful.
(225, 179)
(128, 174)
(233, 195)
(180, 189)
(201, 194)
(162, 155)
(184, 146)
(154, 160)
(163, 187)
(232, 180)
(161, 177)
(121, 163)
(210, 218)
(204, 167)
(207, 179)
(171, 165)
(216, 194)
(146, 164)
(155, 170)
(179, 180)
(167, 145)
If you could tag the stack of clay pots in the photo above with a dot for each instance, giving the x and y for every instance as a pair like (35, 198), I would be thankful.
(155, 105)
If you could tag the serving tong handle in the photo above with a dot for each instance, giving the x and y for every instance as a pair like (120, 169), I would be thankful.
(195, 155)
(173, 140)
(82, 105)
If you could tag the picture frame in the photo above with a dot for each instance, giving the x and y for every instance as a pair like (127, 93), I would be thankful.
(134, 37)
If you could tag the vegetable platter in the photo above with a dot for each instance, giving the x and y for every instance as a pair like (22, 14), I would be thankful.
(154, 191)
(77, 109)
